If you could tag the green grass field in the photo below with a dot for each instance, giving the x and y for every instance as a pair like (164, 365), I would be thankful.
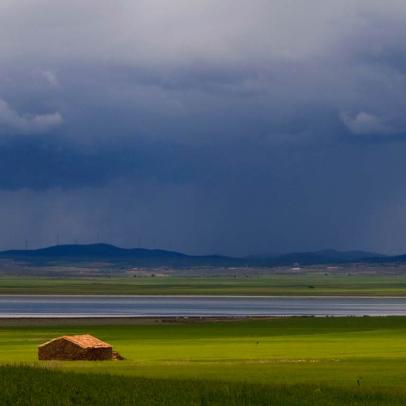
(334, 356)
(42, 387)
(311, 284)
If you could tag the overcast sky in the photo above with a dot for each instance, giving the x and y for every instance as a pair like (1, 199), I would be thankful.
(236, 127)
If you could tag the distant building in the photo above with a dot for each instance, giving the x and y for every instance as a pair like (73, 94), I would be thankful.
(75, 348)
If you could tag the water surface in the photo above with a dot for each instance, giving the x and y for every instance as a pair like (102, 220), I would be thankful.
(176, 306)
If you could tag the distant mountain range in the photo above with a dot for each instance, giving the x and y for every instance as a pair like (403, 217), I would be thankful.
(323, 257)
(107, 252)
(152, 257)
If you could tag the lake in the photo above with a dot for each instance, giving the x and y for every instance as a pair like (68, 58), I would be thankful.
(198, 306)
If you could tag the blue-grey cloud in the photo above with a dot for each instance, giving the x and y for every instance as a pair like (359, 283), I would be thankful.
(11, 122)
(369, 124)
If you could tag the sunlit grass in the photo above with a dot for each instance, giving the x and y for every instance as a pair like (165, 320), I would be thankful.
(283, 351)
(353, 360)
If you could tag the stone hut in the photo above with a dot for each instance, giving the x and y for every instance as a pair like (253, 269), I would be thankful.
(74, 348)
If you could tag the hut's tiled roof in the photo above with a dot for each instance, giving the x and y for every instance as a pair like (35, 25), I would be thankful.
(84, 341)
(87, 341)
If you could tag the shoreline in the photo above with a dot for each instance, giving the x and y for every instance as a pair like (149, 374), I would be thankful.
(145, 320)
(125, 320)
(193, 296)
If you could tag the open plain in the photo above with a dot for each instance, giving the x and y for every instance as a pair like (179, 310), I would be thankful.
(216, 361)
(321, 360)
(311, 281)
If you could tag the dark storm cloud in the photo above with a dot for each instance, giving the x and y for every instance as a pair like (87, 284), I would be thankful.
(45, 163)
(238, 127)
